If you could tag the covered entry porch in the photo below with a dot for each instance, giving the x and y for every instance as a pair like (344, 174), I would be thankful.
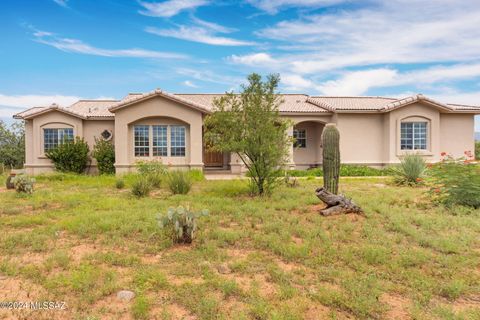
(306, 151)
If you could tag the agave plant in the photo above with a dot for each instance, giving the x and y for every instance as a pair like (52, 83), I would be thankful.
(181, 223)
(411, 170)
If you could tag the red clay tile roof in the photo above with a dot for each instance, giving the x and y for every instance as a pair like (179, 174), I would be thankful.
(291, 103)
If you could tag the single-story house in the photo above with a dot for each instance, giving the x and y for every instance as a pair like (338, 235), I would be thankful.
(374, 131)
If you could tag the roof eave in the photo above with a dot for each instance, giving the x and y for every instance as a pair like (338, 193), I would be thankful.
(155, 94)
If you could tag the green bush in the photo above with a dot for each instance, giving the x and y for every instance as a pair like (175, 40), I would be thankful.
(411, 170)
(455, 182)
(70, 156)
(153, 171)
(477, 150)
(141, 187)
(12, 145)
(119, 184)
(180, 223)
(104, 153)
(23, 183)
(179, 182)
(196, 175)
(346, 170)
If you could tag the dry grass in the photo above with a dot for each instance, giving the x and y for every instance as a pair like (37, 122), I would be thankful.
(81, 240)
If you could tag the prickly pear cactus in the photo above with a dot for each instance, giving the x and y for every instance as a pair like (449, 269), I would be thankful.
(331, 157)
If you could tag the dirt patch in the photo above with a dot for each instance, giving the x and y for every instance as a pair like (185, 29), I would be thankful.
(12, 289)
(178, 281)
(259, 281)
(288, 266)
(179, 313)
(469, 302)
(236, 253)
(297, 240)
(311, 209)
(112, 308)
(398, 306)
(317, 312)
(78, 252)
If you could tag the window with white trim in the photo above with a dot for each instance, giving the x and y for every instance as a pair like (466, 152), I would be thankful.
(160, 146)
(53, 137)
(177, 141)
(142, 141)
(300, 136)
(154, 140)
(413, 135)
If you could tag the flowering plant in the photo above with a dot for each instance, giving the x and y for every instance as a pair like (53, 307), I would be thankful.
(456, 181)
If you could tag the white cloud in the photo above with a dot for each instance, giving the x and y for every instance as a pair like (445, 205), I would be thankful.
(169, 8)
(31, 100)
(62, 3)
(295, 82)
(189, 83)
(78, 46)
(210, 76)
(12, 104)
(273, 6)
(198, 34)
(396, 31)
(357, 83)
(212, 26)
(254, 59)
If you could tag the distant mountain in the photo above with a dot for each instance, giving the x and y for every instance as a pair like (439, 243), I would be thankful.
(477, 136)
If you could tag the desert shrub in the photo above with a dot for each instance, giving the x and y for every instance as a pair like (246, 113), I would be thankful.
(23, 183)
(104, 153)
(411, 170)
(119, 184)
(455, 182)
(141, 187)
(12, 144)
(70, 156)
(477, 150)
(180, 223)
(179, 182)
(289, 180)
(153, 171)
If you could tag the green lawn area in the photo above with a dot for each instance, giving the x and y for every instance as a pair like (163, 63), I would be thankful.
(80, 240)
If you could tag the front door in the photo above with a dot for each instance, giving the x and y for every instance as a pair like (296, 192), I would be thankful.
(212, 158)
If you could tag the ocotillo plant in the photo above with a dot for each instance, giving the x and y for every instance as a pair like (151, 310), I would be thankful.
(331, 157)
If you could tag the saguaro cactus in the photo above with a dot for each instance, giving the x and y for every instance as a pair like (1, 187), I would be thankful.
(331, 157)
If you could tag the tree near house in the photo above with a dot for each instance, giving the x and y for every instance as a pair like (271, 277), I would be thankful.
(249, 125)
(12, 145)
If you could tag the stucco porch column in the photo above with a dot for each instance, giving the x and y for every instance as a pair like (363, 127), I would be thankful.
(121, 148)
(290, 165)
(196, 147)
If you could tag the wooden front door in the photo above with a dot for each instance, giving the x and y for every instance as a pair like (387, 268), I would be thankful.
(212, 158)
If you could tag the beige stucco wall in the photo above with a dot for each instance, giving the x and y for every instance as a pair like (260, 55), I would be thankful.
(158, 110)
(361, 138)
(413, 112)
(457, 134)
(311, 155)
(36, 161)
(369, 139)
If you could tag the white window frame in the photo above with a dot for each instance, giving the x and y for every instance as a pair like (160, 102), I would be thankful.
(157, 150)
(169, 146)
(417, 143)
(59, 137)
(178, 144)
(295, 136)
(142, 148)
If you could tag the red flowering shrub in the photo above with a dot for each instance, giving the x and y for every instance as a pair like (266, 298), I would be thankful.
(456, 182)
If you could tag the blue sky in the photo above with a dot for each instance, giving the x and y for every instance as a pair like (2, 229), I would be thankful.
(62, 50)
